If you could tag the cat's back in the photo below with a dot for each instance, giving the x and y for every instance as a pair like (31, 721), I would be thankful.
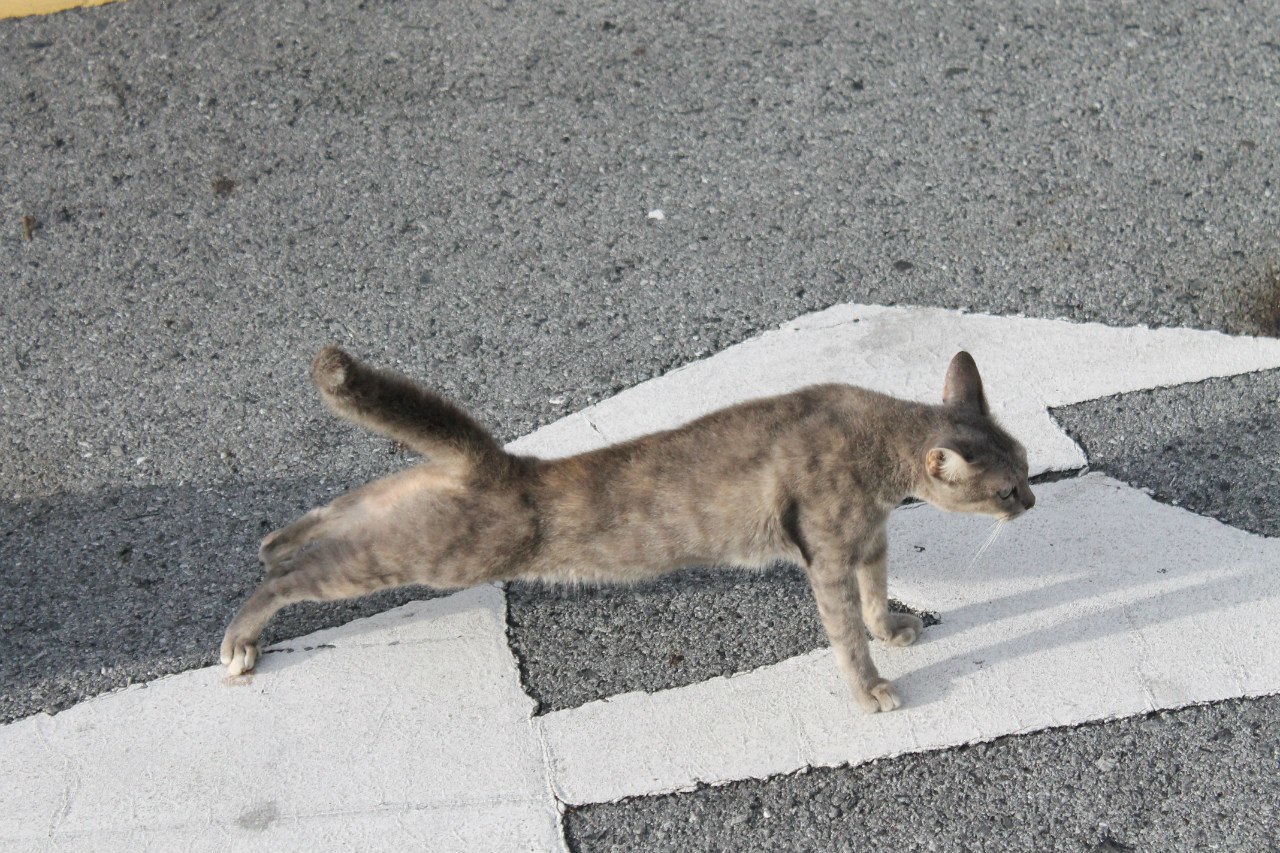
(713, 490)
(725, 446)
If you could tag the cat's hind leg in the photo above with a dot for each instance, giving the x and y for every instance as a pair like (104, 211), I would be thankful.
(327, 571)
(280, 546)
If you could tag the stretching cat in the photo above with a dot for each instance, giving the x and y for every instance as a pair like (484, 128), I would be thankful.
(808, 477)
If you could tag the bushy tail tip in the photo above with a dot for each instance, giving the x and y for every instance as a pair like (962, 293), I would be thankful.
(331, 368)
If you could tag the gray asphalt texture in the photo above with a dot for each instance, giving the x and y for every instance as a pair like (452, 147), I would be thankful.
(1201, 778)
(1212, 447)
(216, 189)
(575, 644)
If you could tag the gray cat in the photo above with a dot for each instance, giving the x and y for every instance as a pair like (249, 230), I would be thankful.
(809, 477)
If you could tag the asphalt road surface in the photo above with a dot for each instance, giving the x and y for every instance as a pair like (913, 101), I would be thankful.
(533, 206)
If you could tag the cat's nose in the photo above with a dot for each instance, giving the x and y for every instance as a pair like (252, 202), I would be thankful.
(1028, 497)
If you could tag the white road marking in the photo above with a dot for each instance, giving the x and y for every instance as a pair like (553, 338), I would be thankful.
(412, 731)
(408, 732)
(1099, 603)
(1027, 365)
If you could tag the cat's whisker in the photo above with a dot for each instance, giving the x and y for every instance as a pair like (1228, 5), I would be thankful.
(999, 528)
(992, 535)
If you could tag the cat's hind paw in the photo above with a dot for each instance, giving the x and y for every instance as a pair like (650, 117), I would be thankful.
(239, 654)
(878, 697)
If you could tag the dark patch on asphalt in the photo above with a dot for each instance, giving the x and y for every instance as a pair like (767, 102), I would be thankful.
(223, 186)
(1211, 447)
(1165, 781)
(1262, 301)
(578, 644)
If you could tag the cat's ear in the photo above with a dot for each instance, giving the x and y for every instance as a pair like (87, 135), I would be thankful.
(946, 464)
(963, 387)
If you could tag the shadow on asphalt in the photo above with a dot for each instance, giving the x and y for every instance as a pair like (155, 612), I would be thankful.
(126, 585)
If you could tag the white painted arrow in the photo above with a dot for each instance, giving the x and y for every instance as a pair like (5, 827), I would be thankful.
(409, 730)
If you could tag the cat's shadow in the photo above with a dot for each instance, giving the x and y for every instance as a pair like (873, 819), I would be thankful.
(1079, 609)
(931, 683)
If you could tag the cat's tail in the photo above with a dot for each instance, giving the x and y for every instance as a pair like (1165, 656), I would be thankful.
(400, 409)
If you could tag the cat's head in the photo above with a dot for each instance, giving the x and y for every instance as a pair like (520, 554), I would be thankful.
(971, 464)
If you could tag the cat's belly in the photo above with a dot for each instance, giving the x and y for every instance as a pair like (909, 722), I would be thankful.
(641, 556)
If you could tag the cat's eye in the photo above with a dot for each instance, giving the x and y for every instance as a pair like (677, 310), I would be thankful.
(1006, 494)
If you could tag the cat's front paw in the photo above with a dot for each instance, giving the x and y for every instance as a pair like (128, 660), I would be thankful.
(880, 696)
(239, 653)
(903, 629)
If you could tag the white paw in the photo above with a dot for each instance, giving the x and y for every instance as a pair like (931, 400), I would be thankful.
(879, 697)
(239, 654)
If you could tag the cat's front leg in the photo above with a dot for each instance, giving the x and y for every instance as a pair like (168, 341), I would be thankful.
(836, 591)
(896, 629)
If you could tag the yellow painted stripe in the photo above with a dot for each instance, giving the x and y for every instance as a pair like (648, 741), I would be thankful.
(22, 8)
